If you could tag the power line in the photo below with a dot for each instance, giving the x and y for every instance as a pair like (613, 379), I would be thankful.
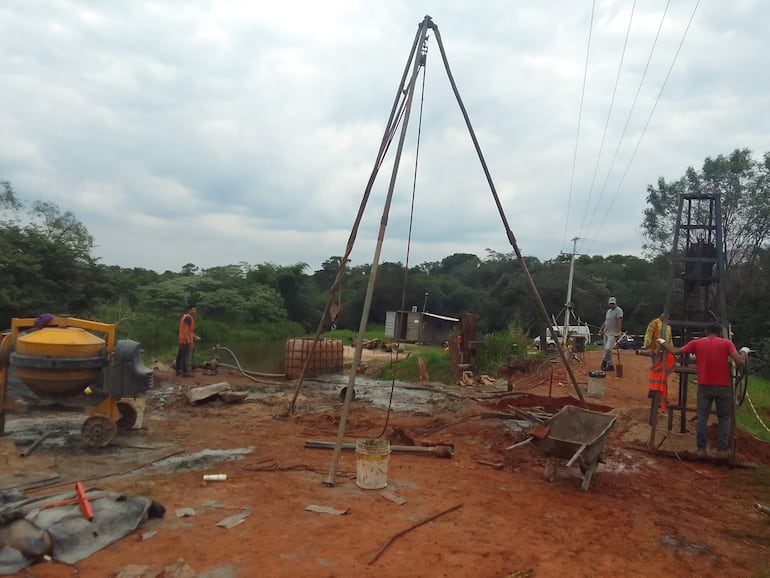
(649, 118)
(607, 123)
(633, 104)
(580, 117)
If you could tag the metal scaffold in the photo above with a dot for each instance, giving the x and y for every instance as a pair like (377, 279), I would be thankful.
(695, 296)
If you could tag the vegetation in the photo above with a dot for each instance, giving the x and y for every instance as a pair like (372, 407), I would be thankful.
(436, 362)
(498, 347)
(46, 266)
(756, 419)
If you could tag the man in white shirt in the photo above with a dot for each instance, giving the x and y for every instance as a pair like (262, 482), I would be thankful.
(611, 330)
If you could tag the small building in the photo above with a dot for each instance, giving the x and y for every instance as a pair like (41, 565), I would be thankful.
(415, 327)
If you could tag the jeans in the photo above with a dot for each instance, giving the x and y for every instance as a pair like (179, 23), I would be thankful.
(722, 396)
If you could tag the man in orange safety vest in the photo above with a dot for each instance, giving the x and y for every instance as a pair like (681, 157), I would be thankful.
(662, 361)
(186, 338)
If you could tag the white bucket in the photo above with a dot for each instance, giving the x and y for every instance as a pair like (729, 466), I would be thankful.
(595, 384)
(372, 456)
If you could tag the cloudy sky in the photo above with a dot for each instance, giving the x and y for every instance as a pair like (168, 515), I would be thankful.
(215, 132)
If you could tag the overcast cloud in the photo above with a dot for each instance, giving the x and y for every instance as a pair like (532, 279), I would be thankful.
(215, 132)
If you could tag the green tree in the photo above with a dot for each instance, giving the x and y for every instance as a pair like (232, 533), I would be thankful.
(743, 186)
(45, 262)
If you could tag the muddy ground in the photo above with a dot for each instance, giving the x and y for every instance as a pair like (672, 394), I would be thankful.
(645, 514)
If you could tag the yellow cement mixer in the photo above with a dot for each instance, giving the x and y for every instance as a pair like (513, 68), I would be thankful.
(58, 356)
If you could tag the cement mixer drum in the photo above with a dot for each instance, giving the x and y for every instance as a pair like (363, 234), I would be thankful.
(59, 361)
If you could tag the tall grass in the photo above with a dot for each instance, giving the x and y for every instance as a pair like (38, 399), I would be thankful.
(498, 347)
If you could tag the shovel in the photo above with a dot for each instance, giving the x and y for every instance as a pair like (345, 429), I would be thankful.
(618, 366)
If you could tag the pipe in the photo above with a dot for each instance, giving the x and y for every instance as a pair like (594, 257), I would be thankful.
(442, 451)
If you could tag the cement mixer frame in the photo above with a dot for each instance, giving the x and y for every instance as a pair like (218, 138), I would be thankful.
(118, 373)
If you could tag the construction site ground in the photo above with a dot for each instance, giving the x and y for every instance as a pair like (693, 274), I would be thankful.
(645, 514)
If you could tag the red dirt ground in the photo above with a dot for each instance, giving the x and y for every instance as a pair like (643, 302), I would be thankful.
(644, 514)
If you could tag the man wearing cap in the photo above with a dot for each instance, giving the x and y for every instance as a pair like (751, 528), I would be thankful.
(611, 329)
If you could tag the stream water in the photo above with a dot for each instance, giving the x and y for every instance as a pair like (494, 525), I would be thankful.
(262, 356)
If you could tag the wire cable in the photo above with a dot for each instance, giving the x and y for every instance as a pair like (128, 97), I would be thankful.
(580, 118)
(649, 118)
(633, 104)
(607, 122)
(394, 358)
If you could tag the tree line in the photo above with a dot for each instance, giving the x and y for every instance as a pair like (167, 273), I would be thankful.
(46, 266)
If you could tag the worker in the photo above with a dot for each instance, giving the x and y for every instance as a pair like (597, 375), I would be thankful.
(712, 355)
(186, 339)
(662, 361)
(654, 332)
(611, 330)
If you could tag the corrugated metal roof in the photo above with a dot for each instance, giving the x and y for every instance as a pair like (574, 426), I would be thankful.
(442, 317)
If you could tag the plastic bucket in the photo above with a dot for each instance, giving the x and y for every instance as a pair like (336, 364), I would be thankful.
(595, 384)
(372, 457)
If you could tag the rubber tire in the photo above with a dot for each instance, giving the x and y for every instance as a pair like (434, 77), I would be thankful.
(98, 431)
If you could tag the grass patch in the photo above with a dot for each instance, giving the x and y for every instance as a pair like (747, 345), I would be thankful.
(758, 395)
(348, 335)
(436, 362)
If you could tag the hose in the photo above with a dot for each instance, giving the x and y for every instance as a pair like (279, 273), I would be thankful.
(245, 373)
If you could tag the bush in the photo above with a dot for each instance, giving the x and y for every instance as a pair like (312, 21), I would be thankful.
(498, 347)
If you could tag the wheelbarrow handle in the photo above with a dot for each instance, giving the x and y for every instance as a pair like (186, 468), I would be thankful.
(577, 455)
(519, 444)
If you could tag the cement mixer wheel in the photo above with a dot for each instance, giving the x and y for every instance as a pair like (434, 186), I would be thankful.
(98, 431)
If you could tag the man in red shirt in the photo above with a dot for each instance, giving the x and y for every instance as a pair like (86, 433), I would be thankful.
(712, 354)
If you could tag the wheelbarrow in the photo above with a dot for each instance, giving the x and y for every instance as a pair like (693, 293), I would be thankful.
(576, 435)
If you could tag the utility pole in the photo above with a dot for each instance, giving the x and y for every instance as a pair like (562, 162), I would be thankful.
(568, 304)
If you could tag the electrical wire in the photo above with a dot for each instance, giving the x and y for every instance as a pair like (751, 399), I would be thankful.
(649, 118)
(633, 106)
(580, 118)
(607, 122)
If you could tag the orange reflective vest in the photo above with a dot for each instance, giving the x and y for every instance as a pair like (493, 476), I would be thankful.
(186, 329)
(658, 380)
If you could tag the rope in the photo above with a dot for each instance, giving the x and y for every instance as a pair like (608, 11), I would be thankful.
(753, 409)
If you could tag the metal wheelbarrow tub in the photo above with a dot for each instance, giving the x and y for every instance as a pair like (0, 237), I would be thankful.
(577, 435)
